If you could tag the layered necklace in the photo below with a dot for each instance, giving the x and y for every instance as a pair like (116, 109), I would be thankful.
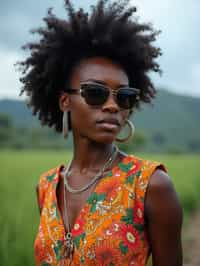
(69, 244)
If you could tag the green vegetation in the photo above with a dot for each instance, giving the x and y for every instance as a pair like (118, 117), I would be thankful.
(170, 126)
(19, 212)
(185, 174)
(21, 138)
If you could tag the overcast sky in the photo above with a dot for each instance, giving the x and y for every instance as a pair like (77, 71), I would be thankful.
(179, 21)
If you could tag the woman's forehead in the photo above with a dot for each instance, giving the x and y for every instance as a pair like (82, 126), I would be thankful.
(100, 68)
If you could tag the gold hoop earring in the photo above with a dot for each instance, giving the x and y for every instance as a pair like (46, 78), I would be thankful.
(131, 133)
(65, 127)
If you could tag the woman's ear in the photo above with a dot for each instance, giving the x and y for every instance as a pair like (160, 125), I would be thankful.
(64, 101)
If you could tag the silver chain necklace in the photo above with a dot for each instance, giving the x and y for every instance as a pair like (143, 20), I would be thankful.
(95, 178)
(68, 236)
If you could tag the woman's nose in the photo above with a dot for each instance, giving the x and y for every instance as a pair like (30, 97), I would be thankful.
(111, 104)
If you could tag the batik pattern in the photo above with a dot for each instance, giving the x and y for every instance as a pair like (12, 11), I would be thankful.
(110, 229)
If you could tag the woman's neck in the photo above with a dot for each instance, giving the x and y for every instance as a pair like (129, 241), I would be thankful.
(90, 155)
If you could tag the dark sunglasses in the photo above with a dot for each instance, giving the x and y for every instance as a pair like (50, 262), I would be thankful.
(97, 95)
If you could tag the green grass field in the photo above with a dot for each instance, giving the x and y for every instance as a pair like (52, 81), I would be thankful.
(19, 212)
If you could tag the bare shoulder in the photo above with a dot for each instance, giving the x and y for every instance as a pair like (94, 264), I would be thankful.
(163, 214)
(161, 197)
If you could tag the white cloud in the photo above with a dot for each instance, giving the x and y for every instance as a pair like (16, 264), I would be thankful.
(179, 41)
(180, 38)
(188, 84)
(195, 79)
(9, 78)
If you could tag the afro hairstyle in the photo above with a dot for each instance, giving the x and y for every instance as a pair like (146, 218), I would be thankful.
(110, 29)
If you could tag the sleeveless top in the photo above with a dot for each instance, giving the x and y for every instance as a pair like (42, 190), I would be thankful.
(110, 229)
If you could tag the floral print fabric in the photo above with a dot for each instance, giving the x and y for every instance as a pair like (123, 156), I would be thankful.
(110, 229)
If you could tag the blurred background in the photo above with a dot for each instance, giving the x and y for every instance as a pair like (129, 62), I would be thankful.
(167, 131)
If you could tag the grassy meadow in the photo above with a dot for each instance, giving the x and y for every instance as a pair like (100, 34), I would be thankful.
(19, 217)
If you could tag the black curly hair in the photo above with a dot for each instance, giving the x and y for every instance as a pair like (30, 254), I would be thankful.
(109, 30)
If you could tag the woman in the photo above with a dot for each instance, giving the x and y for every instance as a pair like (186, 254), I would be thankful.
(86, 75)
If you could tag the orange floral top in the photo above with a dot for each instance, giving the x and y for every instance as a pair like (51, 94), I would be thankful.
(110, 229)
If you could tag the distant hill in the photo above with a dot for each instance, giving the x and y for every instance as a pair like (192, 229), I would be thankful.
(173, 118)
(172, 123)
(19, 112)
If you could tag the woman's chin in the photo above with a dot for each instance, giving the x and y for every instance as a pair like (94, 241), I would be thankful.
(105, 138)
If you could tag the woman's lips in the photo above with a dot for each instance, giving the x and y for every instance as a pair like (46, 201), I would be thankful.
(109, 124)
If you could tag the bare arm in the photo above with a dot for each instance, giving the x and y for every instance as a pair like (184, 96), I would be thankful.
(164, 216)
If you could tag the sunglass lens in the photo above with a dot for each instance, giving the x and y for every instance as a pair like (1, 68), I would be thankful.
(126, 98)
(94, 94)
